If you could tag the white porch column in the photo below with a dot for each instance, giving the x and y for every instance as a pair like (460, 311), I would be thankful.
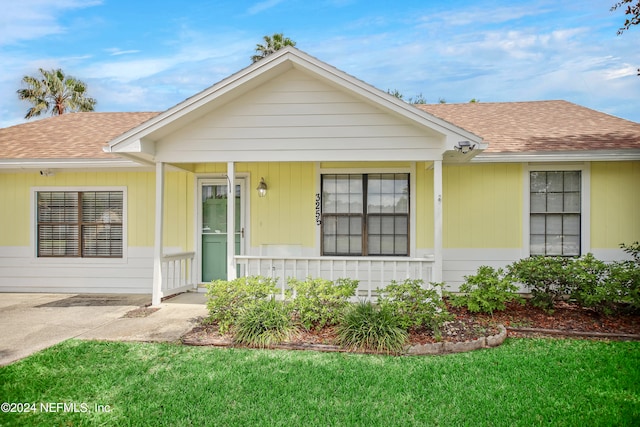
(231, 226)
(437, 220)
(156, 295)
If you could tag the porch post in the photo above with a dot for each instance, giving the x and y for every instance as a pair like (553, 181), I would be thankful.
(437, 220)
(231, 226)
(156, 295)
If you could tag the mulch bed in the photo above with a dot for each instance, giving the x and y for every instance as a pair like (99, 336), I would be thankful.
(567, 320)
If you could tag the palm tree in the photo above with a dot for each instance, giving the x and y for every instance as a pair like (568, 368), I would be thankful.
(272, 44)
(55, 92)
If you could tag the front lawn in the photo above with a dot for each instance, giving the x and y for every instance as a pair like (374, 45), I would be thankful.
(524, 382)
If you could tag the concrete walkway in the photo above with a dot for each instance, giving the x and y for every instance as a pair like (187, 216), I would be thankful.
(33, 322)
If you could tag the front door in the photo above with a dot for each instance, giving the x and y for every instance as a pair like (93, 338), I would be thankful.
(213, 219)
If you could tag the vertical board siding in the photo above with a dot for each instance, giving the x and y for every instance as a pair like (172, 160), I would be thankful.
(424, 206)
(286, 216)
(482, 206)
(615, 204)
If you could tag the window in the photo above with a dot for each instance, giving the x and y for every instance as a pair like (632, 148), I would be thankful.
(555, 217)
(84, 224)
(365, 214)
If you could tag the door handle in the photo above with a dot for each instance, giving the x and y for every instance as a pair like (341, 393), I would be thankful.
(242, 232)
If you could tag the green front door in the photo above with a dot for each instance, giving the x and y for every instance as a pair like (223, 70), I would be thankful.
(214, 230)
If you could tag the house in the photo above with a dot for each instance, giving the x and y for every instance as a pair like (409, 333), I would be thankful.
(329, 176)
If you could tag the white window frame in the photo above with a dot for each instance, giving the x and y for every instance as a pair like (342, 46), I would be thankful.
(411, 170)
(585, 203)
(78, 260)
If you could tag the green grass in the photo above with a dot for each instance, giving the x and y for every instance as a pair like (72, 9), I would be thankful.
(524, 382)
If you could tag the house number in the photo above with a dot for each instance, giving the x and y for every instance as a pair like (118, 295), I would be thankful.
(318, 215)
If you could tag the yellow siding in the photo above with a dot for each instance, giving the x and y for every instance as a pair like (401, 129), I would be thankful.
(286, 216)
(16, 216)
(178, 210)
(364, 165)
(482, 206)
(424, 206)
(615, 204)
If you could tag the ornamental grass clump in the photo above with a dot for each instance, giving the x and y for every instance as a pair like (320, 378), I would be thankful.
(367, 327)
(264, 323)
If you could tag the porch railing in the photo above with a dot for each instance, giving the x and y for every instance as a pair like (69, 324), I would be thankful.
(371, 272)
(178, 273)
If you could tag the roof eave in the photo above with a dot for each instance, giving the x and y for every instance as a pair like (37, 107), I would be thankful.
(559, 156)
(67, 164)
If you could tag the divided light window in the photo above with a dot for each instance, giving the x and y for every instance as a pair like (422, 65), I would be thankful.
(85, 224)
(365, 214)
(555, 216)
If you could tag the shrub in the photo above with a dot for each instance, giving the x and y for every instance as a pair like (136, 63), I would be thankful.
(545, 277)
(264, 323)
(320, 302)
(369, 327)
(624, 280)
(590, 282)
(633, 249)
(624, 277)
(486, 291)
(225, 300)
(413, 305)
(591, 285)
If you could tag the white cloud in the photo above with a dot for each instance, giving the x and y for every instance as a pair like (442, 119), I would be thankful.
(32, 19)
(114, 51)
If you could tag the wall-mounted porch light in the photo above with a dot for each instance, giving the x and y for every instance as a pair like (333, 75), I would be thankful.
(464, 147)
(262, 188)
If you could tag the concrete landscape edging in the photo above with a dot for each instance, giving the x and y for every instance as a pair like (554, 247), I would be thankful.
(459, 347)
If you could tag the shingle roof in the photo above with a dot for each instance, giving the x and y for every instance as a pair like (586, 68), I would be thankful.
(68, 136)
(539, 126)
(508, 127)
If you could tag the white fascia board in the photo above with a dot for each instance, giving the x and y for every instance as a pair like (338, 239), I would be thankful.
(559, 156)
(69, 164)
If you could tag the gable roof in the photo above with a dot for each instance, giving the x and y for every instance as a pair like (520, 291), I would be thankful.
(540, 126)
(142, 142)
(68, 136)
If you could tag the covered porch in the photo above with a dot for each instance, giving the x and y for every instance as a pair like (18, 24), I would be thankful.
(326, 145)
(281, 234)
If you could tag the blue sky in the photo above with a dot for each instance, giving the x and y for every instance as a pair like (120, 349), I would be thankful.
(149, 56)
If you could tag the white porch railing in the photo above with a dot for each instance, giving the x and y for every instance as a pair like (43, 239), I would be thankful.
(371, 272)
(178, 273)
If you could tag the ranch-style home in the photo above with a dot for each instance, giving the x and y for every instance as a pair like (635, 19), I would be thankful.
(329, 177)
